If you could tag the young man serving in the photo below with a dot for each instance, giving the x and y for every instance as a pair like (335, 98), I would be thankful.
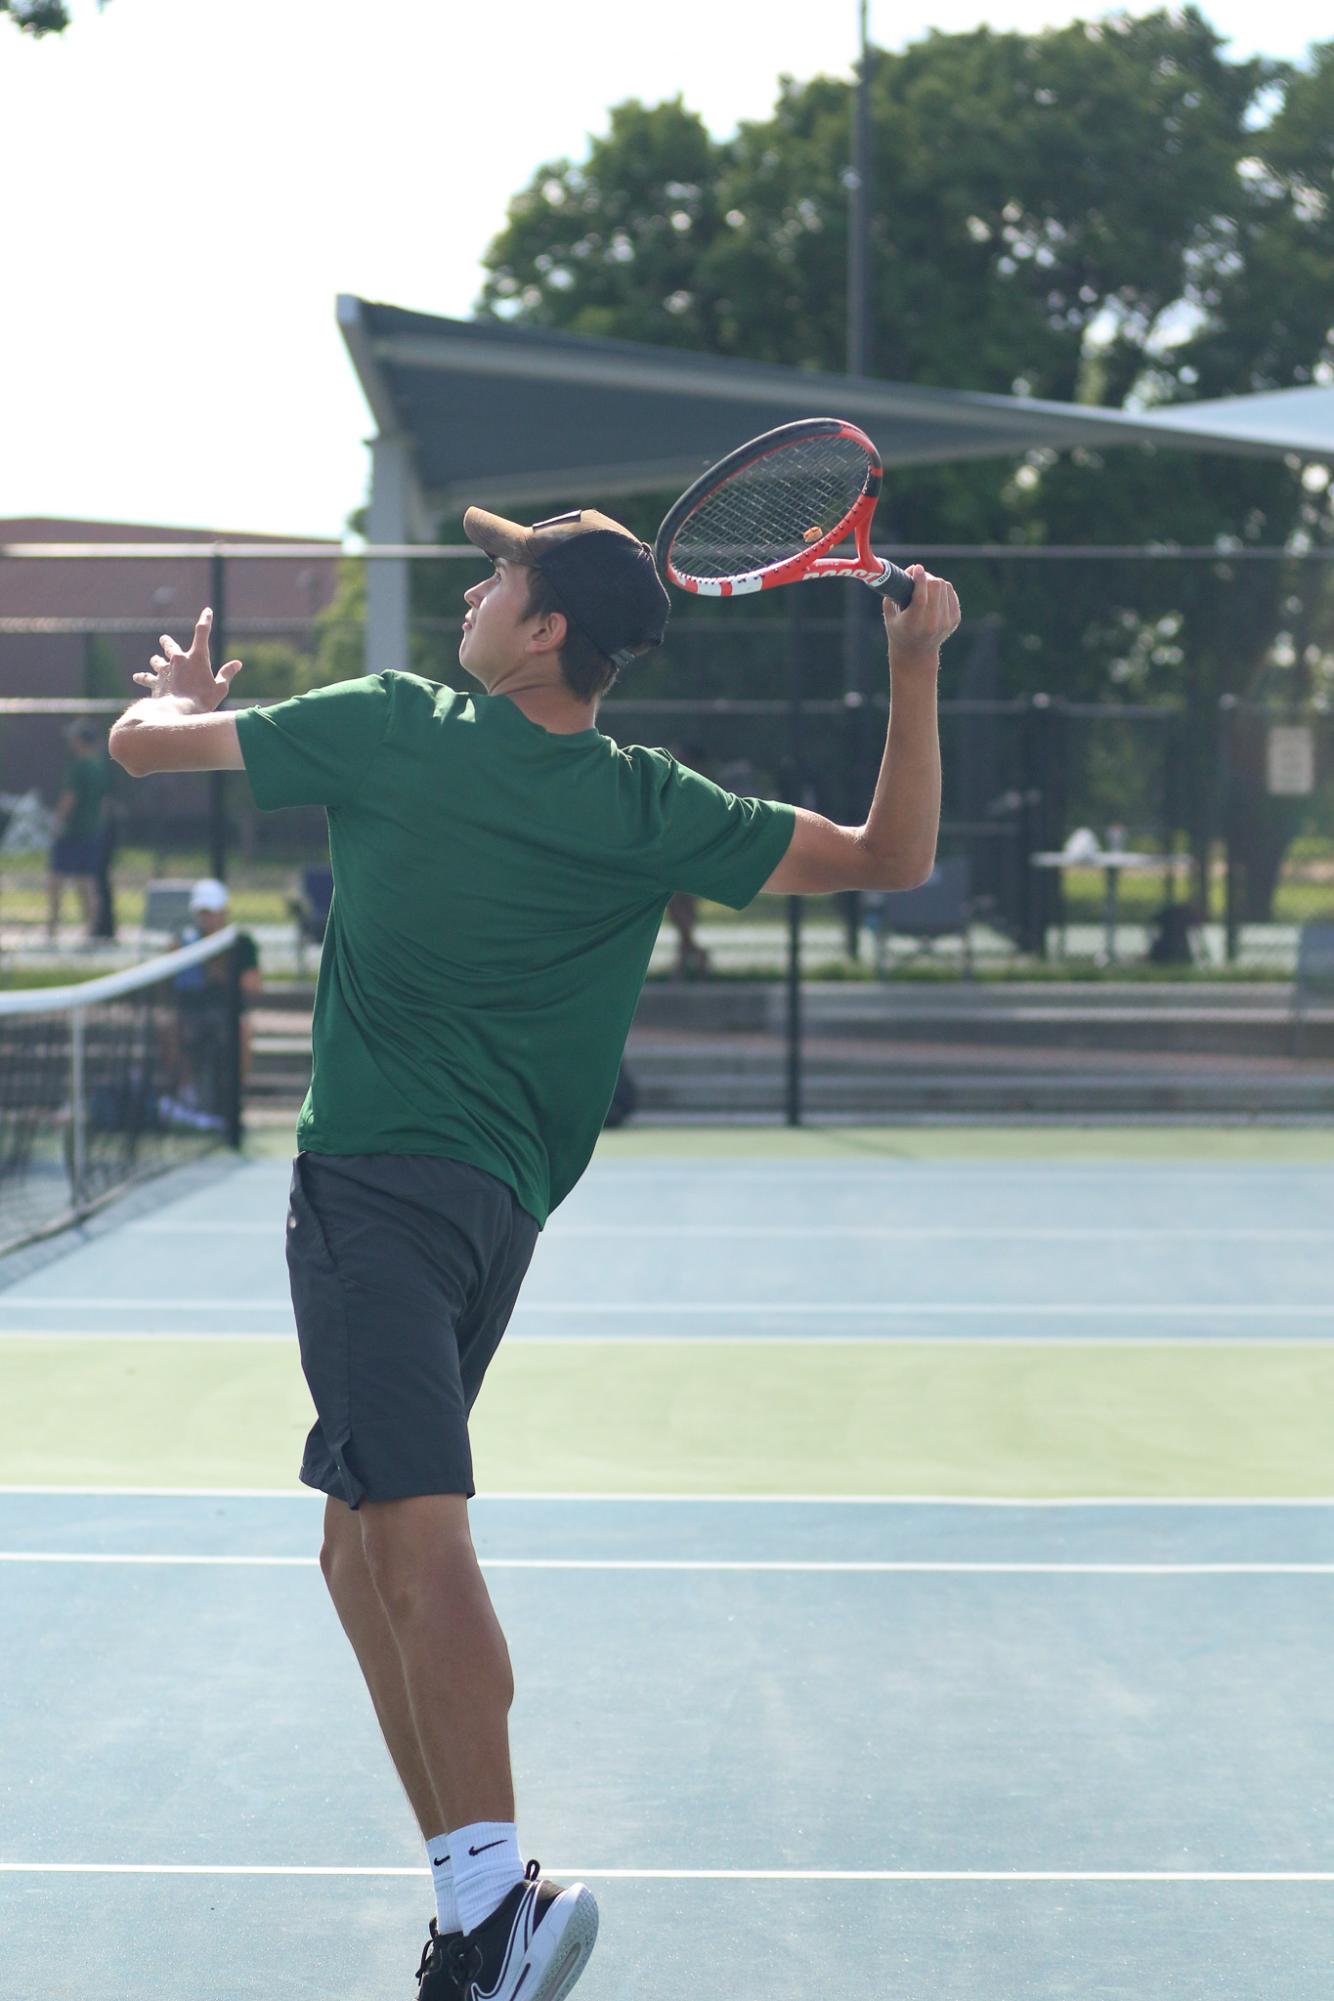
(501, 869)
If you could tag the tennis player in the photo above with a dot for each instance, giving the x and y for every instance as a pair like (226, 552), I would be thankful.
(501, 868)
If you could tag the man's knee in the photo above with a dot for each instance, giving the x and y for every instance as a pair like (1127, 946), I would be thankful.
(341, 1546)
(419, 1553)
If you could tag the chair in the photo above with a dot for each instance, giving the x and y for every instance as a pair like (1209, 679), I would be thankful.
(941, 907)
(1315, 975)
(166, 908)
(310, 909)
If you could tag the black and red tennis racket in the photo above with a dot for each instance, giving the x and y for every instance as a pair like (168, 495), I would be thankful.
(773, 511)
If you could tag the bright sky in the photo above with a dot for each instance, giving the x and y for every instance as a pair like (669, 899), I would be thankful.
(190, 185)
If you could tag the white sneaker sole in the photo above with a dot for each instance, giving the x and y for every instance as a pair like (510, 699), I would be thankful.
(561, 1946)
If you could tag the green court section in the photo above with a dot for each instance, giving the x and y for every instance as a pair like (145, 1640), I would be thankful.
(1297, 1145)
(990, 1419)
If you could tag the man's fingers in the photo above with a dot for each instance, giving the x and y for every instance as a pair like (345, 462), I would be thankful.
(168, 645)
(229, 670)
(203, 626)
(934, 610)
(144, 680)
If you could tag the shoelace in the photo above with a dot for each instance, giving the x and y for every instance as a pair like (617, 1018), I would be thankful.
(432, 1953)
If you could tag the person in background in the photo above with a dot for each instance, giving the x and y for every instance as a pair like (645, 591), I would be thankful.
(194, 1049)
(210, 911)
(76, 852)
(104, 888)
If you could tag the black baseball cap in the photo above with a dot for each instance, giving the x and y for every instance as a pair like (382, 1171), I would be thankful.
(604, 576)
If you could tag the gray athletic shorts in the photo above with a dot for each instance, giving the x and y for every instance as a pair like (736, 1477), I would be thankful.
(404, 1271)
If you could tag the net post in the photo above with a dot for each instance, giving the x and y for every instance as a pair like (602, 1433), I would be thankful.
(78, 1152)
(233, 1108)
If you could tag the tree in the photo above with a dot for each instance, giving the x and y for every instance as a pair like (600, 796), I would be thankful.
(40, 17)
(1109, 213)
(37, 17)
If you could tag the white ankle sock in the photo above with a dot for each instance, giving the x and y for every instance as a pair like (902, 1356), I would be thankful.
(485, 1864)
(442, 1875)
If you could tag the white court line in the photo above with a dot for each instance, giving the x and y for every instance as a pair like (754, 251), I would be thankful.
(710, 1564)
(567, 1870)
(890, 1233)
(516, 1337)
(309, 1498)
(741, 1309)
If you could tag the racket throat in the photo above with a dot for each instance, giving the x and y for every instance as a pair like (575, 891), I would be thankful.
(861, 570)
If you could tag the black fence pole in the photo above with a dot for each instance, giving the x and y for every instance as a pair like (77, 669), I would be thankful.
(217, 780)
(1034, 816)
(233, 1108)
(796, 675)
(1227, 787)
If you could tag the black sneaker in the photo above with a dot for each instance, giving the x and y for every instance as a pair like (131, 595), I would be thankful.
(435, 1981)
(532, 1949)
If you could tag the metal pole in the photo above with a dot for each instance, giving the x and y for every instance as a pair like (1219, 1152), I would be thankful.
(217, 780)
(78, 1153)
(793, 1093)
(233, 1108)
(1227, 762)
(859, 338)
(859, 211)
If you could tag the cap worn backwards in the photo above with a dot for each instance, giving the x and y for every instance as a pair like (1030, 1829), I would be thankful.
(604, 576)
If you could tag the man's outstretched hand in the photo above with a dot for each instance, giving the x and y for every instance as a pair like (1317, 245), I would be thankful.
(189, 676)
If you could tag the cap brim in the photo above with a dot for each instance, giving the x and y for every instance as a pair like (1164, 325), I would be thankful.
(498, 537)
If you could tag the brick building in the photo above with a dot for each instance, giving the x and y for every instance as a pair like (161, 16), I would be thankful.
(79, 626)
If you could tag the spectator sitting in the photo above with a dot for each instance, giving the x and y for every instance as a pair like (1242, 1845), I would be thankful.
(202, 995)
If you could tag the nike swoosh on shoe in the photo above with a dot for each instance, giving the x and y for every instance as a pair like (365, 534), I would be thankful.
(520, 1938)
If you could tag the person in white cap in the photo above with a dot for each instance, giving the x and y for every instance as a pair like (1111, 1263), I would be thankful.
(501, 869)
(210, 911)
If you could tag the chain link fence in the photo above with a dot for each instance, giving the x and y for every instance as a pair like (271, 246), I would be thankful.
(1175, 840)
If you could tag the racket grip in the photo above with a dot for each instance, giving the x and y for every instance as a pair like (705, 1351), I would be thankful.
(894, 583)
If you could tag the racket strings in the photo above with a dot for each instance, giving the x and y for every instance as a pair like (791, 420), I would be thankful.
(772, 509)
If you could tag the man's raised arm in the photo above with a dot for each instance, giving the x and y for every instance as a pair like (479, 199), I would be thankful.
(895, 848)
(175, 728)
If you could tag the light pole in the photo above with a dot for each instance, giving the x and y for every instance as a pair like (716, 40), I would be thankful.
(859, 336)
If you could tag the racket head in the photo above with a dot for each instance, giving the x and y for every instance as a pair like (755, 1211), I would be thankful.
(771, 510)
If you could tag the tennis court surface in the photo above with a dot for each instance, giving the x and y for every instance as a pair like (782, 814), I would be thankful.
(917, 1552)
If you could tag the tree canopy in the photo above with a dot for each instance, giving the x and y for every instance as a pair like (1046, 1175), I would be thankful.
(1108, 213)
(39, 17)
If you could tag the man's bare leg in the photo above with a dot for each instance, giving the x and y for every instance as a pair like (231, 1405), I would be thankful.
(357, 1602)
(455, 1663)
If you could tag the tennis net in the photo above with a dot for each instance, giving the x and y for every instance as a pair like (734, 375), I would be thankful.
(107, 1082)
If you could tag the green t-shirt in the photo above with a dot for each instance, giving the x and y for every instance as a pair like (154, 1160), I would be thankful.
(497, 892)
(89, 780)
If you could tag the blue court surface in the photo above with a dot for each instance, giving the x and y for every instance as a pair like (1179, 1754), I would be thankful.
(910, 1746)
